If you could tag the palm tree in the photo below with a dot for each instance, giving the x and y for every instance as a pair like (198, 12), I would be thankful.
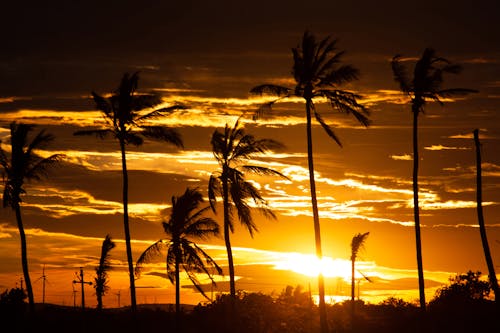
(185, 223)
(24, 165)
(318, 74)
(127, 114)
(424, 86)
(357, 243)
(101, 278)
(232, 149)
(480, 219)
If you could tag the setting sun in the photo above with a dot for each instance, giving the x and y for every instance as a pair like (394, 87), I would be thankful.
(311, 265)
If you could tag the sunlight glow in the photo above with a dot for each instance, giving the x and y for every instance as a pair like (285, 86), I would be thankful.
(311, 265)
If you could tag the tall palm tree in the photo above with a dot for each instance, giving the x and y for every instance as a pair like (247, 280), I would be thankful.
(101, 278)
(24, 165)
(480, 219)
(185, 223)
(232, 149)
(424, 86)
(127, 113)
(318, 73)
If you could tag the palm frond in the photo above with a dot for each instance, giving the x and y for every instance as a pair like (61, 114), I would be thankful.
(170, 264)
(263, 171)
(132, 138)
(341, 75)
(162, 133)
(144, 101)
(357, 244)
(151, 252)
(401, 74)
(264, 109)
(104, 261)
(213, 191)
(100, 133)
(240, 191)
(103, 104)
(161, 112)
(266, 212)
(203, 228)
(323, 59)
(347, 102)
(327, 128)
(40, 168)
(271, 89)
(40, 141)
(455, 92)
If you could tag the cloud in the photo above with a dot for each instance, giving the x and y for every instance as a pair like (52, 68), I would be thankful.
(441, 147)
(404, 157)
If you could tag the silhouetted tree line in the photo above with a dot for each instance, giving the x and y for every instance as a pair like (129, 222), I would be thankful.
(461, 306)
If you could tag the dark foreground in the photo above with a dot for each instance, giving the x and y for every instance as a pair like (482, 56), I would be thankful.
(259, 313)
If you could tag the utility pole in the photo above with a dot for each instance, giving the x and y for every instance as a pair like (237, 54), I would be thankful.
(82, 282)
(44, 278)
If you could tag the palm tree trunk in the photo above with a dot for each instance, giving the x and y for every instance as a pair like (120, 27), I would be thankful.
(24, 259)
(133, 304)
(225, 190)
(317, 231)
(99, 300)
(480, 219)
(177, 292)
(353, 288)
(421, 286)
(352, 280)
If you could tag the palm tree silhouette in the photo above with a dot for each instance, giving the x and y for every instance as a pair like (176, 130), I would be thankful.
(127, 114)
(480, 220)
(318, 74)
(357, 243)
(424, 86)
(186, 222)
(24, 165)
(232, 149)
(101, 278)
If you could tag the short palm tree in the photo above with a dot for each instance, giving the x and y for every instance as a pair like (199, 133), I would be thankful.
(127, 115)
(426, 85)
(357, 243)
(185, 224)
(318, 73)
(101, 276)
(232, 149)
(24, 165)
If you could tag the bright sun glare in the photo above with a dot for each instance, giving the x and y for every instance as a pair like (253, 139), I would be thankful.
(310, 265)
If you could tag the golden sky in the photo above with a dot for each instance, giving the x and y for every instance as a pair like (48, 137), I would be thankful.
(208, 57)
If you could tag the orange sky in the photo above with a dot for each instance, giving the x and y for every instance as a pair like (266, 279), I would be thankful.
(47, 74)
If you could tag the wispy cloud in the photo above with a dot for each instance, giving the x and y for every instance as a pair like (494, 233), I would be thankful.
(404, 157)
(58, 203)
(441, 147)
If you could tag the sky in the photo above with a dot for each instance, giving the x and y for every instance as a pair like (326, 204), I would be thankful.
(208, 55)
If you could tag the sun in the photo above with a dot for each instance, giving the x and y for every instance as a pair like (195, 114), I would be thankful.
(310, 265)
